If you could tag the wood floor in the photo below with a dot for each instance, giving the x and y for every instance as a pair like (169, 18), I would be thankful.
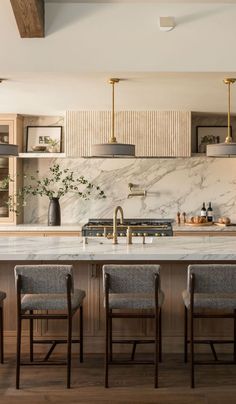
(128, 384)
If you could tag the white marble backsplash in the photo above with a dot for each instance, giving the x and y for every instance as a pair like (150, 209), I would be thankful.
(179, 184)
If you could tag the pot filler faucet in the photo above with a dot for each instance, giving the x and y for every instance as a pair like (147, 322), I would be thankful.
(117, 209)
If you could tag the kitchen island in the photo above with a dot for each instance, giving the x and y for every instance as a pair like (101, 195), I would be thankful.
(173, 253)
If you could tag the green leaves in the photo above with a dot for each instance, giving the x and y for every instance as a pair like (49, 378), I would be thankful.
(58, 183)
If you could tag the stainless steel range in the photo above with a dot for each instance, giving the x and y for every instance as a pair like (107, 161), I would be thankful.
(140, 227)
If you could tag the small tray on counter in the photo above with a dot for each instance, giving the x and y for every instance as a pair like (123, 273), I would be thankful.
(199, 224)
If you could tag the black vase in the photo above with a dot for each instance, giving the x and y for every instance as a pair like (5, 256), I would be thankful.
(54, 212)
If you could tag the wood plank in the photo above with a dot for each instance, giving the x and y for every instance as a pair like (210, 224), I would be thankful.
(29, 15)
(128, 384)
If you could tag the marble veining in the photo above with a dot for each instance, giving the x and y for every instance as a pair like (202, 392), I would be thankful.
(74, 249)
(176, 184)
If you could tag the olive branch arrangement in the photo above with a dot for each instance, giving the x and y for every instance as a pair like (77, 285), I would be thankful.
(58, 183)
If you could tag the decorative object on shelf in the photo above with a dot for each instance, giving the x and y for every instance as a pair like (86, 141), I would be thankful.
(210, 135)
(54, 212)
(227, 148)
(44, 139)
(134, 191)
(178, 218)
(58, 183)
(113, 148)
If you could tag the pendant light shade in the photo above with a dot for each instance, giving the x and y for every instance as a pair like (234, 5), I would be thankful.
(228, 148)
(8, 150)
(113, 148)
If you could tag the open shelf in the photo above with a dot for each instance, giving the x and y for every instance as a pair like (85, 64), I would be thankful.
(41, 155)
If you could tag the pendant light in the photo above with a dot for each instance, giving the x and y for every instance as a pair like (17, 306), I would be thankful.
(113, 148)
(7, 149)
(227, 148)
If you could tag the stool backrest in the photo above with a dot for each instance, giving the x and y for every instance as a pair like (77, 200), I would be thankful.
(37, 279)
(213, 278)
(131, 278)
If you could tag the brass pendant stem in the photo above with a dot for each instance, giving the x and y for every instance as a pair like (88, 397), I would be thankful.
(229, 81)
(228, 138)
(113, 82)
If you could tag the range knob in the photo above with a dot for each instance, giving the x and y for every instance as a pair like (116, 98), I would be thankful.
(121, 234)
(134, 234)
(157, 234)
(139, 234)
(98, 235)
(163, 234)
(145, 234)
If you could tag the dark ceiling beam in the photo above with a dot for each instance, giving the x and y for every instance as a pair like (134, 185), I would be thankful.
(29, 15)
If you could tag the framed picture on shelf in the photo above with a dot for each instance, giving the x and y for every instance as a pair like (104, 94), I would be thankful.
(44, 139)
(210, 134)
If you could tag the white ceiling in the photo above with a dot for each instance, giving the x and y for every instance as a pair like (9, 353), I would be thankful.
(87, 44)
(54, 93)
(140, 1)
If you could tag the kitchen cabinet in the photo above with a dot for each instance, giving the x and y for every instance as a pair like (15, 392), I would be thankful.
(11, 131)
(198, 233)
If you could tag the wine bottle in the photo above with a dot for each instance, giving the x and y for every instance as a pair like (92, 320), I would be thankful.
(203, 210)
(209, 213)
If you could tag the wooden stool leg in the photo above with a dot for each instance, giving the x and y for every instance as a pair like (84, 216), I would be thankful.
(1, 334)
(110, 334)
(192, 349)
(235, 336)
(156, 350)
(160, 335)
(81, 335)
(31, 338)
(18, 352)
(106, 349)
(69, 337)
(185, 334)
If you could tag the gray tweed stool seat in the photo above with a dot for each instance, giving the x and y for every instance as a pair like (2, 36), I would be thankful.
(49, 288)
(2, 297)
(210, 293)
(132, 287)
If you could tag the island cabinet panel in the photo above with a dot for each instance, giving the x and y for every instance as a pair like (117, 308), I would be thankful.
(88, 276)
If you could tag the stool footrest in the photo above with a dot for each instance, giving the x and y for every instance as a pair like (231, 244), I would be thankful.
(133, 341)
(129, 362)
(56, 341)
(38, 363)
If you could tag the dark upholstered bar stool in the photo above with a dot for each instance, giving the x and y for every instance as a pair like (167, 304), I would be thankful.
(211, 288)
(2, 297)
(134, 287)
(49, 288)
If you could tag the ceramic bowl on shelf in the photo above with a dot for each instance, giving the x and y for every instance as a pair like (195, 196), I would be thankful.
(39, 148)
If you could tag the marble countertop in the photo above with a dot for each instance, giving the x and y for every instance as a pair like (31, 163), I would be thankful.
(40, 227)
(78, 227)
(160, 249)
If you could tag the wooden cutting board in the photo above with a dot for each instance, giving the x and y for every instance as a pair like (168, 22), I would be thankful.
(199, 224)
